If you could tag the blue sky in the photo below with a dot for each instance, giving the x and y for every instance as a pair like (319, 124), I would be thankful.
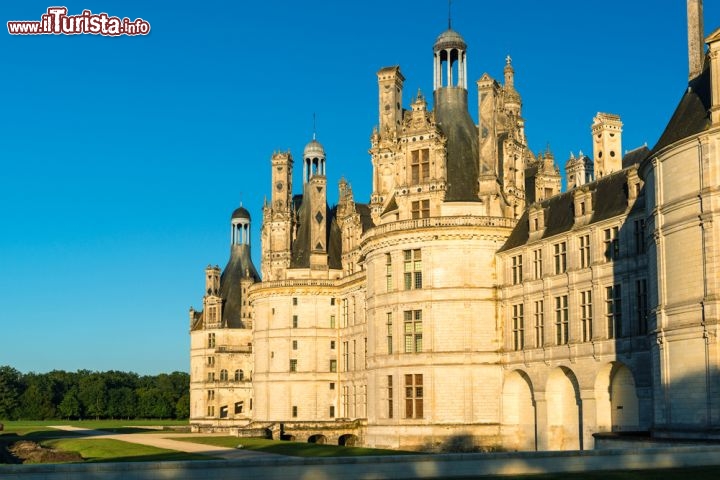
(122, 158)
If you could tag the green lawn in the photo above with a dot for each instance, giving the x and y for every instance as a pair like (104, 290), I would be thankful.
(107, 450)
(25, 427)
(293, 449)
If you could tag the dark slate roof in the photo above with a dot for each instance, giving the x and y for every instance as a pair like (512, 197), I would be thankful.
(609, 199)
(634, 157)
(451, 115)
(391, 206)
(239, 267)
(241, 212)
(692, 114)
(365, 216)
(301, 248)
(196, 323)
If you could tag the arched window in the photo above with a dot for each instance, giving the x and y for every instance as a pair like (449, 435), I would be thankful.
(223, 375)
(239, 375)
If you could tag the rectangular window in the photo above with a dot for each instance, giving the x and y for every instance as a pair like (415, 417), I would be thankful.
(389, 396)
(539, 323)
(389, 325)
(239, 407)
(210, 361)
(345, 311)
(613, 310)
(332, 385)
(345, 353)
(584, 251)
(211, 410)
(518, 327)
(413, 331)
(295, 321)
(559, 253)
(223, 411)
(537, 263)
(586, 315)
(388, 273)
(639, 236)
(332, 321)
(517, 269)
(211, 394)
(332, 344)
(294, 411)
(211, 340)
(561, 320)
(294, 300)
(612, 243)
(332, 301)
(211, 376)
(294, 344)
(212, 314)
(354, 355)
(412, 269)
(413, 396)
(420, 165)
(420, 209)
(293, 365)
(332, 411)
(333, 365)
(642, 305)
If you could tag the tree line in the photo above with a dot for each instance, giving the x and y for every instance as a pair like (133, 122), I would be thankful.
(98, 395)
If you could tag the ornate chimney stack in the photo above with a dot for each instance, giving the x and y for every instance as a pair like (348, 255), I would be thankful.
(696, 43)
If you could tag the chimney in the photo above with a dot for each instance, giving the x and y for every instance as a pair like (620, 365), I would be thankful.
(696, 32)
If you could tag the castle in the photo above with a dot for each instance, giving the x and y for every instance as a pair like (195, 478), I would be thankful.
(471, 301)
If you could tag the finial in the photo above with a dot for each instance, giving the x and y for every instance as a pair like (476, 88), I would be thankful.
(313, 125)
(449, 15)
(508, 60)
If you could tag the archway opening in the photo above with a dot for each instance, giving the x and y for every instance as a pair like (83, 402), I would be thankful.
(319, 439)
(563, 411)
(347, 440)
(518, 412)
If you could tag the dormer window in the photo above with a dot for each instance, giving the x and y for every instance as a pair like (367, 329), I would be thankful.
(536, 215)
(582, 198)
(420, 165)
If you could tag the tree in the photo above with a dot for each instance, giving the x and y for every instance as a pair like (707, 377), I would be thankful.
(69, 407)
(122, 403)
(93, 394)
(10, 390)
(182, 407)
(36, 401)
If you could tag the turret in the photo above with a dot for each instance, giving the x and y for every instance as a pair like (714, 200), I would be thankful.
(607, 144)
(315, 199)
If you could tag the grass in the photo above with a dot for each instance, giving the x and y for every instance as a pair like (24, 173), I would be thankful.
(107, 450)
(293, 449)
(25, 427)
(96, 449)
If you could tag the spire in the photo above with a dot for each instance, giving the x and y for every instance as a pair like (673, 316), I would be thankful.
(314, 126)
(449, 15)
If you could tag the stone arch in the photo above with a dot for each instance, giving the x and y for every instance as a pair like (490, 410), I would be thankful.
(519, 424)
(347, 440)
(616, 399)
(319, 438)
(564, 411)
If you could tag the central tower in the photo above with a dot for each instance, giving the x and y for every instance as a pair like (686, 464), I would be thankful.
(452, 117)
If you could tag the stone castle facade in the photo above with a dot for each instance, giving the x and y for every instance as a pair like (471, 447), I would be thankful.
(471, 301)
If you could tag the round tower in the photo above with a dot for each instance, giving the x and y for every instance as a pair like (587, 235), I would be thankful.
(450, 56)
(313, 160)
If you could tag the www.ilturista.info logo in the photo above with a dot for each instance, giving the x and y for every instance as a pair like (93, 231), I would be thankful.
(57, 22)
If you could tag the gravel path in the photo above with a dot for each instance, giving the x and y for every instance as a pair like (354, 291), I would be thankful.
(165, 440)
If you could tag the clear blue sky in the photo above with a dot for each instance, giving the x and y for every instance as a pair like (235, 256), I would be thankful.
(122, 158)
